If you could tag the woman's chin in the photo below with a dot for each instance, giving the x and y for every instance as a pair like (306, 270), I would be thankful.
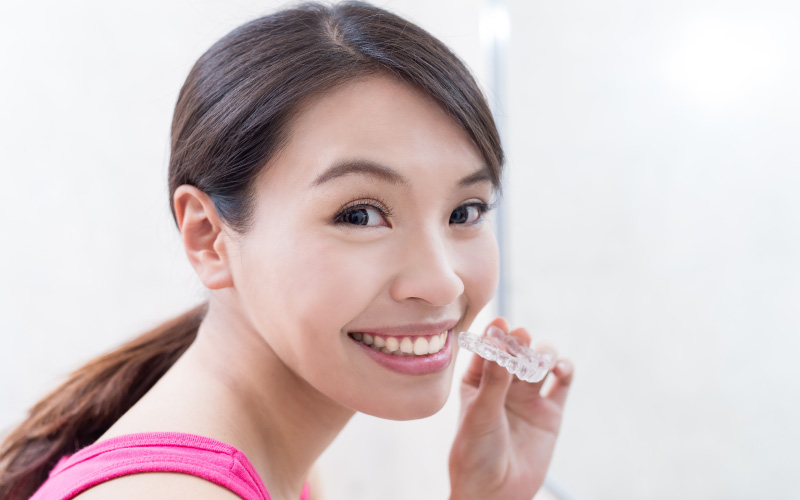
(407, 408)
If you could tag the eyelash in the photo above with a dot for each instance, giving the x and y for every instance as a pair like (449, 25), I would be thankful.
(483, 209)
(375, 202)
(385, 210)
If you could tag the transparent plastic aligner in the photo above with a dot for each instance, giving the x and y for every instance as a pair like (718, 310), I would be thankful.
(527, 364)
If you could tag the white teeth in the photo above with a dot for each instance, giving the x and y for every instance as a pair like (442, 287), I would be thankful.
(435, 344)
(392, 344)
(421, 346)
(405, 346)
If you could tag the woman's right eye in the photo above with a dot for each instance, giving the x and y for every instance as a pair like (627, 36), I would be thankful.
(362, 215)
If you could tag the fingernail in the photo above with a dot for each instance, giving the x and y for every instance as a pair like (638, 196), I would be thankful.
(495, 332)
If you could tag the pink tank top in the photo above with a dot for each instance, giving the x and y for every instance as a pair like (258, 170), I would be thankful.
(199, 456)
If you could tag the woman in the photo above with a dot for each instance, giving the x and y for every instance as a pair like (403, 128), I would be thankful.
(330, 175)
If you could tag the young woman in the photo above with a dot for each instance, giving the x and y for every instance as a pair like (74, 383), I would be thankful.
(330, 175)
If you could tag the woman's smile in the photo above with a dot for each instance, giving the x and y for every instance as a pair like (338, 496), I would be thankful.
(410, 349)
(420, 345)
(409, 355)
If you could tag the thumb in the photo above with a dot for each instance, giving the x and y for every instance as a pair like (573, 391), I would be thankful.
(490, 399)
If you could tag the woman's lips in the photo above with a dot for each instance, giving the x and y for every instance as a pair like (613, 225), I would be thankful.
(405, 360)
(418, 345)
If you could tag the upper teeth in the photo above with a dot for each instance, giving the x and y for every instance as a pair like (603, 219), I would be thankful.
(403, 346)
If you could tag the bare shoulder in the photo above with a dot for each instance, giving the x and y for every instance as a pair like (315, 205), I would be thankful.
(158, 486)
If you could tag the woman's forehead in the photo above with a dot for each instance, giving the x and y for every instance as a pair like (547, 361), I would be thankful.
(380, 121)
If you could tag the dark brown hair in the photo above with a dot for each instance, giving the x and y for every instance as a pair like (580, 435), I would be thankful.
(231, 118)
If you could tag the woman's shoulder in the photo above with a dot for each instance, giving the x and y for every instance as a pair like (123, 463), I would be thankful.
(158, 486)
(177, 464)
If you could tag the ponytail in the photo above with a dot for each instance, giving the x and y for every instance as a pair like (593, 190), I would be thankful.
(78, 412)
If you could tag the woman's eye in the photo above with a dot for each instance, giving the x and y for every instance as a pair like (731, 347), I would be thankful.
(362, 216)
(467, 214)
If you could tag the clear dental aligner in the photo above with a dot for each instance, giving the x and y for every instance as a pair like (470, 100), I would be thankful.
(503, 349)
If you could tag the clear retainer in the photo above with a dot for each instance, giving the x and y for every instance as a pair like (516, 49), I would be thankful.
(527, 364)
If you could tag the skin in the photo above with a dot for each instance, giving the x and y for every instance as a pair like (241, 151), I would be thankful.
(273, 371)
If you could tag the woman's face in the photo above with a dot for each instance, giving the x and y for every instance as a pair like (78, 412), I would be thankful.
(370, 224)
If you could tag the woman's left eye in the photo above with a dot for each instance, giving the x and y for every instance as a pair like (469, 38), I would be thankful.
(468, 214)
(362, 215)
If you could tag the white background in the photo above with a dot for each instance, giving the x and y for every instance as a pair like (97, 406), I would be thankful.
(652, 202)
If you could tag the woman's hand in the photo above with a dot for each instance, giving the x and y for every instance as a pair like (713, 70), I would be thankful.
(508, 429)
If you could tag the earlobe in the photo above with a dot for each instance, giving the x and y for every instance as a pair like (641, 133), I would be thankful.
(203, 236)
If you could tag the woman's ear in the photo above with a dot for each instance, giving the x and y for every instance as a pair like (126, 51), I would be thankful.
(204, 237)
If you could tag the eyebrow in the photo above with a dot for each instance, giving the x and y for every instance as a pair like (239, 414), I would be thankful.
(482, 175)
(365, 167)
(381, 172)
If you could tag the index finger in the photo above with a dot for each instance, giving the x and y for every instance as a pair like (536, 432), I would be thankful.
(563, 372)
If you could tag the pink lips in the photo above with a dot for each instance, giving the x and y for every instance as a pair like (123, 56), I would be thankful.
(413, 365)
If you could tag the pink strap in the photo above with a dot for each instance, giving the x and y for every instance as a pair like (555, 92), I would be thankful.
(199, 456)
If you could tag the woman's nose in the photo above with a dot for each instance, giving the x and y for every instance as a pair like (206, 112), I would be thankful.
(427, 272)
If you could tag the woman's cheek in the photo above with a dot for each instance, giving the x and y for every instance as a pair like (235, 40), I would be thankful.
(338, 281)
(480, 270)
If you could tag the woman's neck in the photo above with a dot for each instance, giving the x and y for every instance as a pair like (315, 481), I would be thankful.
(231, 386)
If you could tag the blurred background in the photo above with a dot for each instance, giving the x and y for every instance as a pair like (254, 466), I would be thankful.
(650, 224)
